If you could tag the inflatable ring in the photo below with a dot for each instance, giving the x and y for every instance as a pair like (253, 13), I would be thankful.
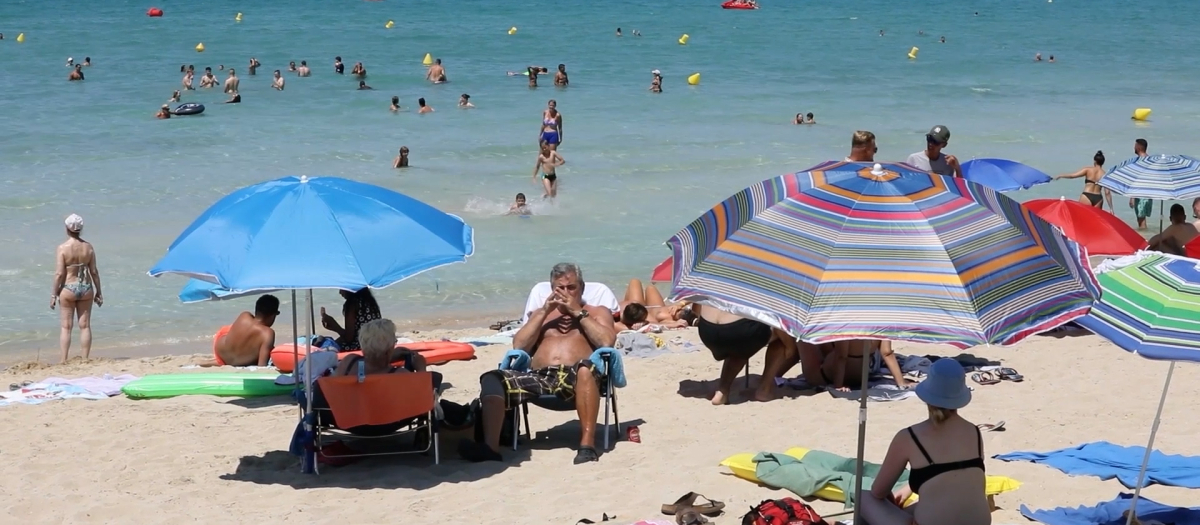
(190, 108)
(434, 352)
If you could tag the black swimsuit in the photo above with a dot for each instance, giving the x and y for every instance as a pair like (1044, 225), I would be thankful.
(742, 338)
(918, 476)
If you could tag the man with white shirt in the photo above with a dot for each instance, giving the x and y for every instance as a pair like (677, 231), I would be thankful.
(932, 159)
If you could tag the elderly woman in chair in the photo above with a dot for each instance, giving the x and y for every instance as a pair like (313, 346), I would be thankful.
(560, 338)
(378, 340)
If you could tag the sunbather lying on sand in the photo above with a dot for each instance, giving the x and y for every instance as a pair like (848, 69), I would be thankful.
(644, 305)
(841, 365)
(250, 338)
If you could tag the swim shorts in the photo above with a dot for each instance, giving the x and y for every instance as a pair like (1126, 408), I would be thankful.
(1143, 208)
(550, 177)
(558, 381)
(550, 137)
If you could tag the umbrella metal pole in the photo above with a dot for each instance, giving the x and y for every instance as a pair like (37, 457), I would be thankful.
(295, 351)
(1137, 491)
(1161, 205)
(308, 302)
(862, 436)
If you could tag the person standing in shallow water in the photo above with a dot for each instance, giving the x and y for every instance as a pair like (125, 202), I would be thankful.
(76, 287)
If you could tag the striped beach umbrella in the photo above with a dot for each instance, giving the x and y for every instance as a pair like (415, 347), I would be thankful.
(1170, 177)
(854, 251)
(1149, 305)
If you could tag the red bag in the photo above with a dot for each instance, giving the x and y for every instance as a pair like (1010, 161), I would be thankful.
(786, 511)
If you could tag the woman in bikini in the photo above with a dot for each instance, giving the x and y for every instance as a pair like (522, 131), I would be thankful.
(76, 287)
(644, 305)
(1091, 183)
(551, 130)
(841, 364)
(946, 455)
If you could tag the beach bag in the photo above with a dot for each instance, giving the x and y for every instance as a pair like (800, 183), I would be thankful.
(786, 511)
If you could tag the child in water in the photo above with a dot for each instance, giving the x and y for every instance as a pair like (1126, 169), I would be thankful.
(401, 159)
(519, 207)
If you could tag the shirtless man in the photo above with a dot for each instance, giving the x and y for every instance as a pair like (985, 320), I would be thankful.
(359, 70)
(164, 112)
(278, 82)
(292, 66)
(76, 74)
(303, 70)
(250, 338)
(436, 73)
(208, 80)
(254, 65)
(338, 66)
(560, 78)
(552, 126)
(187, 80)
(560, 337)
(862, 147)
(422, 107)
(547, 161)
(1173, 239)
(231, 83)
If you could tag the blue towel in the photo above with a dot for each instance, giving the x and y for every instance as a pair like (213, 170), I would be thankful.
(1109, 513)
(519, 360)
(1106, 461)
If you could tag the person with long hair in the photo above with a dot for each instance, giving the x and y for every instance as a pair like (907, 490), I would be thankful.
(945, 453)
(76, 287)
(359, 309)
(1092, 195)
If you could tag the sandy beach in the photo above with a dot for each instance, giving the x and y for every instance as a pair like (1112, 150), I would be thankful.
(225, 459)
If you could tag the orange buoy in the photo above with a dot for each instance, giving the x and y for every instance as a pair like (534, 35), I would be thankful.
(154, 11)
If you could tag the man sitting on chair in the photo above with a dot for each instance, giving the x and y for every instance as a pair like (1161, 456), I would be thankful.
(560, 338)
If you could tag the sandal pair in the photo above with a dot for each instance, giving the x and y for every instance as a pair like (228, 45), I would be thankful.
(985, 378)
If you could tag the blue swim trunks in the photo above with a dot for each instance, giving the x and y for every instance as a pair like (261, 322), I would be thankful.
(550, 137)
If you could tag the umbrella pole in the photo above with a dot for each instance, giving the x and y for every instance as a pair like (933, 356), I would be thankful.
(308, 303)
(862, 435)
(1137, 491)
(295, 351)
(1161, 205)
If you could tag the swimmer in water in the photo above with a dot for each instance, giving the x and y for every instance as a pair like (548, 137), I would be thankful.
(234, 98)
(292, 66)
(401, 160)
(164, 112)
(519, 207)
(220, 67)
(187, 81)
(546, 163)
(231, 83)
(254, 65)
(656, 82)
(618, 31)
(810, 119)
(87, 61)
(303, 70)
(533, 72)
(552, 126)
(799, 119)
(70, 62)
(560, 78)
(395, 104)
(423, 108)
(1037, 57)
(359, 71)
(362, 84)
(338, 66)
(464, 101)
(637, 33)
(76, 74)
(1051, 59)
(174, 96)
(880, 32)
(942, 40)
(278, 82)
(208, 80)
(436, 73)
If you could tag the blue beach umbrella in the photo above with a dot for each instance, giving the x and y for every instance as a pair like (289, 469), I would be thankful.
(1166, 177)
(1003, 174)
(196, 291)
(1149, 305)
(323, 232)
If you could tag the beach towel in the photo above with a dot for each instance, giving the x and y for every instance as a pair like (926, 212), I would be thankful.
(635, 344)
(1110, 513)
(107, 385)
(808, 475)
(520, 360)
(1106, 461)
(594, 294)
(322, 362)
(879, 389)
(56, 388)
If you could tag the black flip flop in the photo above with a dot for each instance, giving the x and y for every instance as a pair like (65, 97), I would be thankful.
(1010, 374)
(604, 517)
(586, 455)
(711, 508)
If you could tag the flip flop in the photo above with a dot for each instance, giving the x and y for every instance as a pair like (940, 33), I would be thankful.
(712, 508)
(988, 427)
(985, 378)
(586, 455)
(683, 502)
(690, 516)
(1010, 374)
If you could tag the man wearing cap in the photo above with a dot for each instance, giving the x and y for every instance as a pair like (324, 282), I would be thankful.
(932, 159)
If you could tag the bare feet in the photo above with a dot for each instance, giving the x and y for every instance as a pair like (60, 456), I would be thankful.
(720, 398)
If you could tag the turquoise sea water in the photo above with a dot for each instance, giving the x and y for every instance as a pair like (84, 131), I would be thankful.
(640, 165)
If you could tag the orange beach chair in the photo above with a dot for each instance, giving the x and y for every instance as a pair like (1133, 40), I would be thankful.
(380, 406)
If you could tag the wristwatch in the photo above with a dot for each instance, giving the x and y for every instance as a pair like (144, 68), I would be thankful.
(581, 315)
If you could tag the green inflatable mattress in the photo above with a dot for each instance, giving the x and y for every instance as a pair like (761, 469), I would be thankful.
(251, 384)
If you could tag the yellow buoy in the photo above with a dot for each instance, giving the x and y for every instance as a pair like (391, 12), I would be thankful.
(694, 79)
(390, 24)
(683, 39)
(21, 37)
(428, 59)
(200, 47)
(913, 53)
(512, 30)
(1141, 113)
(238, 17)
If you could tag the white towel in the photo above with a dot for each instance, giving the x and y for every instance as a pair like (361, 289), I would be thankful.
(594, 294)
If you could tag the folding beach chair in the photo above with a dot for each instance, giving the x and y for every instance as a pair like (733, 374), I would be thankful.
(376, 407)
(608, 395)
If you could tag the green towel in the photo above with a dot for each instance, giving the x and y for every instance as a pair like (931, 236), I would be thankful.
(808, 475)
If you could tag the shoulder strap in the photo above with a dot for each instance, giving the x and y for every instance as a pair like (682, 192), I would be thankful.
(922, 447)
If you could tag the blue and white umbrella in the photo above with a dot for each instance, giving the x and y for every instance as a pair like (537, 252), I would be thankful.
(1167, 177)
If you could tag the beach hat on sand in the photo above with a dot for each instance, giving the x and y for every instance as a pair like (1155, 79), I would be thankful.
(945, 386)
(74, 223)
